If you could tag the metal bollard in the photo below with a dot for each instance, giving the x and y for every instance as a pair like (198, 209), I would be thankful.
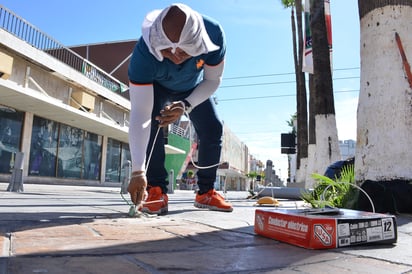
(126, 179)
(171, 188)
(16, 179)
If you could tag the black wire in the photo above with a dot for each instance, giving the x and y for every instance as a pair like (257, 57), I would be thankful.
(275, 96)
(275, 74)
(277, 83)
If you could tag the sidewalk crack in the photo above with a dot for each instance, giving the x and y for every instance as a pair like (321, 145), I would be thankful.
(94, 231)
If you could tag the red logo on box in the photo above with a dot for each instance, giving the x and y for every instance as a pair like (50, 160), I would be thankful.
(322, 235)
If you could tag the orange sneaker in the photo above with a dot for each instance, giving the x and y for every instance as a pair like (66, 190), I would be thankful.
(156, 202)
(213, 201)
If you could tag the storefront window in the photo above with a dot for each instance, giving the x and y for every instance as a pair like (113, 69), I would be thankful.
(117, 161)
(92, 156)
(126, 160)
(70, 152)
(113, 160)
(43, 148)
(78, 153)
(11, 122)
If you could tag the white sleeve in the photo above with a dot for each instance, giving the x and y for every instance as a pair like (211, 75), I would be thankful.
(212, 77)
(141, 100)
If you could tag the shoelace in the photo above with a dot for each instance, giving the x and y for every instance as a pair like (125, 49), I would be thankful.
(151, 195)
(218, 195)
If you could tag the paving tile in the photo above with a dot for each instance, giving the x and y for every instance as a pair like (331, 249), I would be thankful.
(348, 265)
(4, 245)
(74, 265)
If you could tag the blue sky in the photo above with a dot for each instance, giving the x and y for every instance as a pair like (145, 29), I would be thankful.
(257, 95)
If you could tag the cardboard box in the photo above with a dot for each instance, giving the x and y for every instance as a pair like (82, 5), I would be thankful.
(325, 228)
(6, 65)
(84, 99)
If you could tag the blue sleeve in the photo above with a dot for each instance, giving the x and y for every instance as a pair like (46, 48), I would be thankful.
(217, 35)
(142, 64)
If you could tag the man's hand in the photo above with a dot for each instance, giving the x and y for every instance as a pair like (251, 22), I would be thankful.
(137, 187)
(170, 113)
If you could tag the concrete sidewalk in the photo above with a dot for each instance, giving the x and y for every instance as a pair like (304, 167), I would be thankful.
(85, 229)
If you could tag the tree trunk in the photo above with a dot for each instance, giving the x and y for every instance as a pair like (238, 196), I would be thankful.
(322, 77)
(327, 143)
(312, 135)
(312, 130)
(301, 99)
(384, 120)
(302, 111)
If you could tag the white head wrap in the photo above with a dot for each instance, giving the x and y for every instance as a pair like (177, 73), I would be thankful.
(194, 39)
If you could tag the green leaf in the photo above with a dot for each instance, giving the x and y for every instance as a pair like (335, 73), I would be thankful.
(334, 193)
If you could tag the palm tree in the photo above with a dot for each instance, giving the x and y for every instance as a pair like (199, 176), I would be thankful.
(327, 144)
(291, 123)
(301, 99)
(384, 120)
(252, 175)
(292, 157)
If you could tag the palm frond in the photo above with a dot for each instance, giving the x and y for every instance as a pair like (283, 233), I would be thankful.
(334, 193)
